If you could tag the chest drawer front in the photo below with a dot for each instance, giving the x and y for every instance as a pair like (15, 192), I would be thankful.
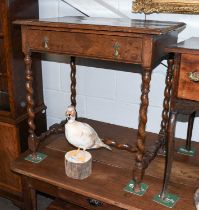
(187, 87)
(61, 205)
(85, 202)
(88, 45)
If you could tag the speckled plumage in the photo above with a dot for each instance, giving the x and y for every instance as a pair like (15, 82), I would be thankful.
(81, 134)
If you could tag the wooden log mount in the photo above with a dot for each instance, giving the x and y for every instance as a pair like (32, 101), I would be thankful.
(78, 164)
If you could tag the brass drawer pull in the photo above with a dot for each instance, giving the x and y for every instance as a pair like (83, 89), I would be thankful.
(116, 49)
(45, 43)
(194, 76)
(94, 202)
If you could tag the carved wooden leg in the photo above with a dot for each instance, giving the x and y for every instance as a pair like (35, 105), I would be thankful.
(189, 131)
(29, 195)
(138, 171)
(166, 103)
(32, 140)
(170, 152)
(73, 81)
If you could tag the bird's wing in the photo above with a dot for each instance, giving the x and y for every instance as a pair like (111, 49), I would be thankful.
(88, 132)
(86, 128)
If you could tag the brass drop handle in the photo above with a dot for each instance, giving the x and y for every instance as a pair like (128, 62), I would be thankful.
(116, 47)
(194, 76)
(46, 40)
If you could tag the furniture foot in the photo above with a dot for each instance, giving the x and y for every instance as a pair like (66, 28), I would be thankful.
(130, 187)
(138, 174)
(187, 150)
(169, 200)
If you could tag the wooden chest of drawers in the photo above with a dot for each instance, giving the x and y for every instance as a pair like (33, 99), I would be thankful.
(13, 113)
(184, 98)
(188, 88)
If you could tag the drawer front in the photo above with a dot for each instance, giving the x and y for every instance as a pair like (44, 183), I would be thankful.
(85, 202)
(61, 205)
(88, 45)
(188, 87)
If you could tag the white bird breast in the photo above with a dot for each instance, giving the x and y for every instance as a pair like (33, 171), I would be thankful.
(76, 137)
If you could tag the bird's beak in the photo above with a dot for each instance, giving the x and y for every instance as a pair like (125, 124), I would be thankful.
(68, 115)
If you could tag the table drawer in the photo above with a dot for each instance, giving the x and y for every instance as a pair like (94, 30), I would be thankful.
(188, 88)
(58, 204)
(85, 202)
(127, 49)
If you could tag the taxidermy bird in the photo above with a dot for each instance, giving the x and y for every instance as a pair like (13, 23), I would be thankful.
(81, 135)
(196, 199)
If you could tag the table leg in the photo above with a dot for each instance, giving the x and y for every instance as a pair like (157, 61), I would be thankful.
(166, 104)
(29, 195)
(32, 140)
(170, 152)
(189, 131)
(138, 171)
(73, 81)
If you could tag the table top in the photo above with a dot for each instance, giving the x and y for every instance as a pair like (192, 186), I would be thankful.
(109, 24)
(190, 46)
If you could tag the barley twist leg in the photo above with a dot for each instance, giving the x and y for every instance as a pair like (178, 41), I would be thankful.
(138, 171)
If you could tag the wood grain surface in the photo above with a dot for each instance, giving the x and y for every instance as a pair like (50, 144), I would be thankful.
(111, 172)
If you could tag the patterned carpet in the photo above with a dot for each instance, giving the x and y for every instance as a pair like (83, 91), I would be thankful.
(43, 202)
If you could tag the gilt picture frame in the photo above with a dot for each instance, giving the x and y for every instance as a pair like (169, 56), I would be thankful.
(166, 6)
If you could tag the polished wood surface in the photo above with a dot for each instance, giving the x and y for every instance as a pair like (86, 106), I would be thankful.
(129, 41)
(188, 89)
(61, 205)
(13, 114)
(12, 143)
(189, 46)
(12, 57)
(9, 151)
(84, 44)
(184, 98)
(105, 37)
(109, 24)
(112, 170)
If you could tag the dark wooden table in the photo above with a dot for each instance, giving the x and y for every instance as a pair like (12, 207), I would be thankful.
(185, 96)
(120, 40)
(112, 170)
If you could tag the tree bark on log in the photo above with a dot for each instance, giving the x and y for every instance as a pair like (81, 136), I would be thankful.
(78, 164)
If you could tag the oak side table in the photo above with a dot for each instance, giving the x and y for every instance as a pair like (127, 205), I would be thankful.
(139, 42)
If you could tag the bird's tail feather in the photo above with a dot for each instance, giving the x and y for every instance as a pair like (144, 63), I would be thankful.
(99, 144)
(105, 146)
